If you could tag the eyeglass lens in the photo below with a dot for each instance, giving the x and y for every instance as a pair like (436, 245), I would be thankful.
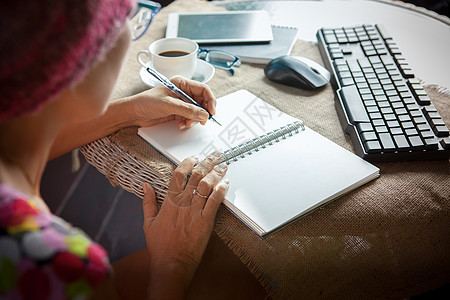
(139, 24)
(220, 59)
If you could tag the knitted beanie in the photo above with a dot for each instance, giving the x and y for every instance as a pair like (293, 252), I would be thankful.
(49, 45)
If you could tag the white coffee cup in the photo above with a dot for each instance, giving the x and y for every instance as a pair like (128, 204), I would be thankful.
(172, 56)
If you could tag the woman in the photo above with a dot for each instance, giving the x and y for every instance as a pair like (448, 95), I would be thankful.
(54, 88)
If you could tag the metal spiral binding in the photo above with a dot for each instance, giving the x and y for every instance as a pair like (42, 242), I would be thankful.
(247, 148)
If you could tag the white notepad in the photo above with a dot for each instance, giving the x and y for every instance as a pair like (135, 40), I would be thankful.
(281, 170)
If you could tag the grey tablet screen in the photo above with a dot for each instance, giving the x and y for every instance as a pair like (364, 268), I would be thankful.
(220, 28)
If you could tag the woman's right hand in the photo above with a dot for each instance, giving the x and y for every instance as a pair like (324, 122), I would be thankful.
(160, 104)
(178, 234)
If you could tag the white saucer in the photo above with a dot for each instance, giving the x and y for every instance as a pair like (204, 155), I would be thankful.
(203, 73)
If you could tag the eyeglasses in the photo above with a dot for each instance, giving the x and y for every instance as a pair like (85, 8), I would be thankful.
(142, 17)
(220, 59)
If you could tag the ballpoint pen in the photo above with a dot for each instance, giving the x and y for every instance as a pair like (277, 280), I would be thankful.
(166, 82)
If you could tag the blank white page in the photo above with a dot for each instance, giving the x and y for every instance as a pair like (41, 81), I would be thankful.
(270, 187)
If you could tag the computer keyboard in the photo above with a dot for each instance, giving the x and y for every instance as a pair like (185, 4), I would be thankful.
(380, 103)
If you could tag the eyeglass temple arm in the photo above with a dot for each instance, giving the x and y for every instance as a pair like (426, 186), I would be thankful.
(155, 6)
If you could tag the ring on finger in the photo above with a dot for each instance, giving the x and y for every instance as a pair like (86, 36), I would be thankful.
(195, 192)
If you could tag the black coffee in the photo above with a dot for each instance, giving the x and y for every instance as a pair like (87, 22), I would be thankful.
(173, 53)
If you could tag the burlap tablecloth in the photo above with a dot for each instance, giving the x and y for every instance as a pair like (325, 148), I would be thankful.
(389, 239)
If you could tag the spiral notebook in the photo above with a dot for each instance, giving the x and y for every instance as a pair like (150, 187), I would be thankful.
(279, 169)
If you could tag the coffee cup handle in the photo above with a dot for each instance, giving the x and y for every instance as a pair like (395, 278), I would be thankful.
(146, 52)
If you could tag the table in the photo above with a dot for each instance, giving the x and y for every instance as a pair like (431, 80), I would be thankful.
(389, 239)
(422, 35)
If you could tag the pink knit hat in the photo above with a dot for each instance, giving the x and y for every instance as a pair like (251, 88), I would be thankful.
(49, 45)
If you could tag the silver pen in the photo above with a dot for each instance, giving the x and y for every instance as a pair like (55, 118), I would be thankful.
(168, 84)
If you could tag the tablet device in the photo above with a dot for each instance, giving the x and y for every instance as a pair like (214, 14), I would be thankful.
(221, 27)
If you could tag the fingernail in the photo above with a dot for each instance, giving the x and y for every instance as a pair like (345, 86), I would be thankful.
(221, 167)
(224, 183)
(216, 154)
(203, 115)
(195, 157)
(145, 188)
(211, 108)
(182, 126)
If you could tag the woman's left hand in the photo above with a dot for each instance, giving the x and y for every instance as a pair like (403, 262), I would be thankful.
(178, 233)
(159, 104)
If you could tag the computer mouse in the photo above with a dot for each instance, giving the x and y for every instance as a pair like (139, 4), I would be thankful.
(297, 71)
